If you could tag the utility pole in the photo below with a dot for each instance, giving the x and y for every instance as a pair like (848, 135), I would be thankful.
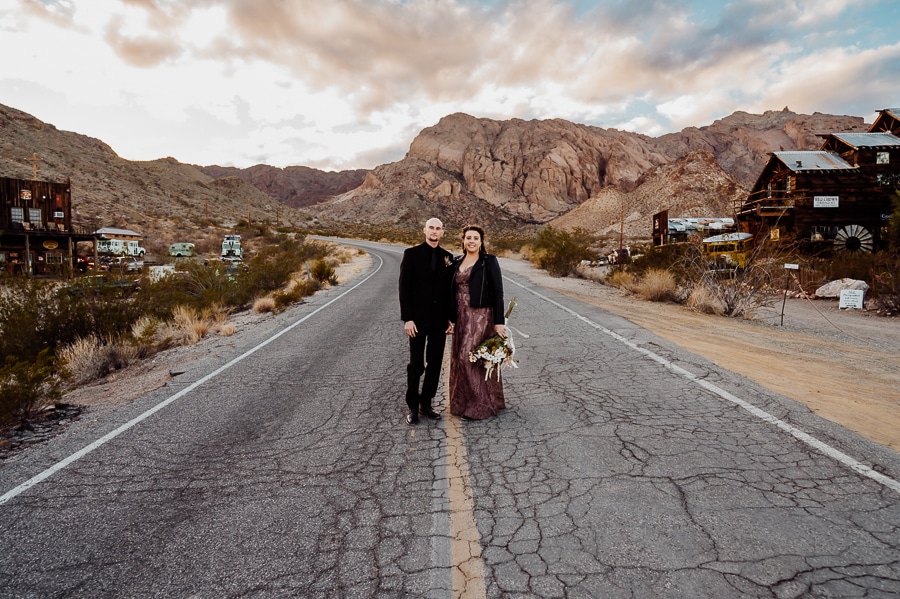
(622, 225)
(34, 160)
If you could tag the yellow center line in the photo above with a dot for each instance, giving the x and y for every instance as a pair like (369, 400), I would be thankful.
(465, 543)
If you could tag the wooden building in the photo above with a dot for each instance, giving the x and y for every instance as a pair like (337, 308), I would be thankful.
(37, 235)
(838, 197)
(888, 121)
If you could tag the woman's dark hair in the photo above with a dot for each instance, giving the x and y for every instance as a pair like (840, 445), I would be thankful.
(478, 230)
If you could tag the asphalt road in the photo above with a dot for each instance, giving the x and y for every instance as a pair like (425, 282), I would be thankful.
(282, 467)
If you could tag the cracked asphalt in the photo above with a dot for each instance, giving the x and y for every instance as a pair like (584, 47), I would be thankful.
(623, 467)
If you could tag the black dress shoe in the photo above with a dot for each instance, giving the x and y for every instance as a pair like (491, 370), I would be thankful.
(429, 413)
(412, 418)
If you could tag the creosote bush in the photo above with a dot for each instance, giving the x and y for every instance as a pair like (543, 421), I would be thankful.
(26, 387)
(100, 324)
(559, 251)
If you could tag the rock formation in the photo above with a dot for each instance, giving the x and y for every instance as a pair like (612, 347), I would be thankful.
(508, 173)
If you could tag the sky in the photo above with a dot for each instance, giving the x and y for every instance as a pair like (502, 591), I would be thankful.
(346, 84)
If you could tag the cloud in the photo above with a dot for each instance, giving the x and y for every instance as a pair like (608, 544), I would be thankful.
(345, 81)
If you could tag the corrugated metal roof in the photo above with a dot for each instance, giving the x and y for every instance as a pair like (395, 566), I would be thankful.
(727, 237)
(813, 161)
(115, 231)
(868, 140)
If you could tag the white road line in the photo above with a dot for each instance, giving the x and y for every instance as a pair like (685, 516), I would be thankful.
(115, 433)
(816, 444)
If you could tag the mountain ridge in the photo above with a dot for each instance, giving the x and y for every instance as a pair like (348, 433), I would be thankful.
(503, 174)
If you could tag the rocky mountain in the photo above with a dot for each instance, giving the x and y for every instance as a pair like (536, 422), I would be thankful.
(508, 173)
(501, 173)
(296, 186)
(163, 199)
(692, 186)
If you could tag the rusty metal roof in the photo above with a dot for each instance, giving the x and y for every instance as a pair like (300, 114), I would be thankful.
(868, 140)
(814, 160)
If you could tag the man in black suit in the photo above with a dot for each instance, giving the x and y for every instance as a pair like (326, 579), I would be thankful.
(425, 310)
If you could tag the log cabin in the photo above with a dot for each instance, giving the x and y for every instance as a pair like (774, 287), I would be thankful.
(888, 121)
(836, 198)
(37, 235)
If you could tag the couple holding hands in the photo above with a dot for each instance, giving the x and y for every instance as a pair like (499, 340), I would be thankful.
(463, 296)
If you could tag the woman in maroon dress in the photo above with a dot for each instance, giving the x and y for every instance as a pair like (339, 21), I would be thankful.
(477, 313)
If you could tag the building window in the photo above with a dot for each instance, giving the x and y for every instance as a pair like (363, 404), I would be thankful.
(787, 184)
(769, 189)
(34, 215)
(819, 233)
(17, 214)
(54, 258)
(883, 158)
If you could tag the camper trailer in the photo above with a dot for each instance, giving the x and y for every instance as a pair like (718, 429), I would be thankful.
(182, 249)
(120, 247)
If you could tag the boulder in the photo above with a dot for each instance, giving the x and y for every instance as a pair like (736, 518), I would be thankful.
(833, 289)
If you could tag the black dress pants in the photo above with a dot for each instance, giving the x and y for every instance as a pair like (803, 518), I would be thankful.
(426, 353)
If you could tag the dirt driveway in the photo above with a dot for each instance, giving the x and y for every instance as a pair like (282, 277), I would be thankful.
(843, 364)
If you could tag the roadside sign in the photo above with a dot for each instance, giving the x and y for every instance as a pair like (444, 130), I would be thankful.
(792, 266)
(851, 298)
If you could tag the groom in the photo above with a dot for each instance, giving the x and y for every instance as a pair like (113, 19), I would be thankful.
(425, 311)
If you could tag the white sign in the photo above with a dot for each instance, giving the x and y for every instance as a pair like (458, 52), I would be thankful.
(825, 201)
(851, 298)
(792, 266)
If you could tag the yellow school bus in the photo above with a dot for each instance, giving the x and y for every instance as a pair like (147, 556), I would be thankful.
(731, 250)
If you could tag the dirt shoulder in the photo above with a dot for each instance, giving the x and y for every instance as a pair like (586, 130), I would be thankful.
(843, 364)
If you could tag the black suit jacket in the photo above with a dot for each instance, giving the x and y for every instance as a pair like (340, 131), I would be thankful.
(425, 293)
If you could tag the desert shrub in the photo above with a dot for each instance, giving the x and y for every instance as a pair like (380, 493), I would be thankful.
(657, 285)
(669, 257)
(227, 330)
(263, 305)
(559, 252)
(702, 299)
(82, 358)
(26, 387)
(186, 327)
(295, 291)
(621, 279)
(323, 272)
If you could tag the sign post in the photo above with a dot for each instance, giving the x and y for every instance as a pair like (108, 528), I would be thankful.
(787, 267)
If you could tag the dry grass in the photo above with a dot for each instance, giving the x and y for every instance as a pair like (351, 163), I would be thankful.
(621, 279)
(701, 299)
(187, 326)
(227, 330)
(217, 314)
(264, 304)
(657, 285)
(90, 358)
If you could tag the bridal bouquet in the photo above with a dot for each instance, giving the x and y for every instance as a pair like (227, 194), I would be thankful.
(496, 351)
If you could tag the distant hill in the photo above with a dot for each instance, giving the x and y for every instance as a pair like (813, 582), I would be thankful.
(163, 199)
(296, 186)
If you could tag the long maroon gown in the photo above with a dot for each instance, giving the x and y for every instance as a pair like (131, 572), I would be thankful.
(470, 395)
